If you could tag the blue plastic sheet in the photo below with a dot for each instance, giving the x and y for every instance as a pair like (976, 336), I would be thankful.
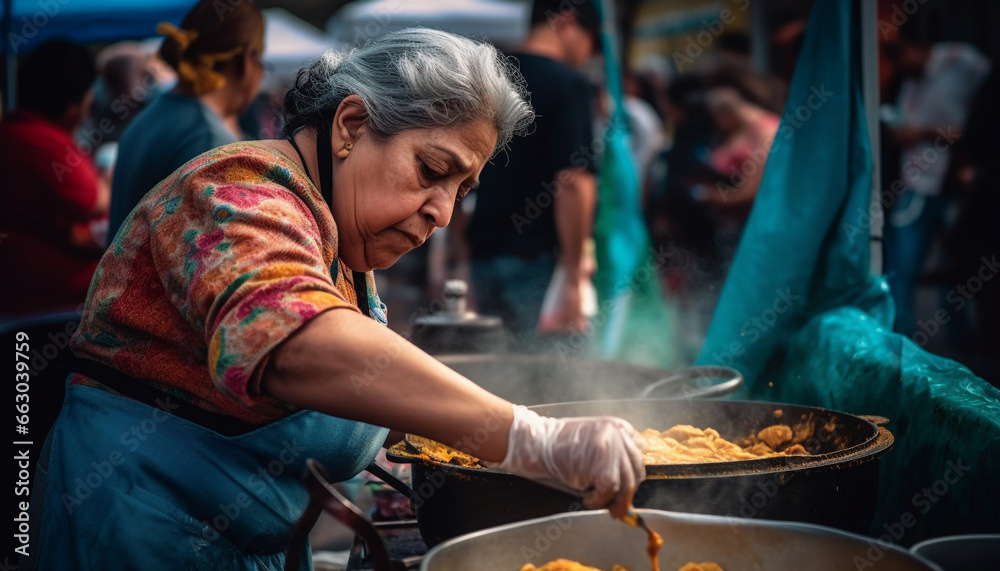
(633, 320)
(938, 479)
(88, 21)
(804, 321)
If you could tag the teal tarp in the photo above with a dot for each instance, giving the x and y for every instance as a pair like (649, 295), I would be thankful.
(802, 319)
(633, 320)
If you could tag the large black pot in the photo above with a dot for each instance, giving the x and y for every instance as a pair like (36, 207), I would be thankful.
(835, 486)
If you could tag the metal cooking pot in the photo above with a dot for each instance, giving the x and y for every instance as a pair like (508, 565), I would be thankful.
(835, 486)
(592, 537)
(960, 552)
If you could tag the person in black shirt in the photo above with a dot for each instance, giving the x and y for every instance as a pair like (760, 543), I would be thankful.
(535, 206)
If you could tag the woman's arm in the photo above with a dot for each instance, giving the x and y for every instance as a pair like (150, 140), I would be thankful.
(346, 365)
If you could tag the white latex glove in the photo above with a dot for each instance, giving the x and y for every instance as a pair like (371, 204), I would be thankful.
(601, 453)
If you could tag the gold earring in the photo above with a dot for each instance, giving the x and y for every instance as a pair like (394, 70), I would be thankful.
(348, 146)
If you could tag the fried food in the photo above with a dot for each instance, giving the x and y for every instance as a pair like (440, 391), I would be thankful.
(441, 453)
(680, 444)
(653, 543)
(775, 436)
(566, 565)
(686, 444)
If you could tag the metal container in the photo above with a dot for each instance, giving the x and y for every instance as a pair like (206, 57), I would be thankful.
(961, 552)
(457, 330)
(592, 537)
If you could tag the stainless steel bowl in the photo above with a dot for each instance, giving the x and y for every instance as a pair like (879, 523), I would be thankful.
(961, 551)
(736, 544)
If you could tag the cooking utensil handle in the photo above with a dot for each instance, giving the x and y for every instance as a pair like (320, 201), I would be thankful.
(732, 380)
(874, 419)
(325, 495)
(395, 483)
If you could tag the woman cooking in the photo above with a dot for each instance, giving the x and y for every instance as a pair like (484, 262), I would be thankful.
(232, 330)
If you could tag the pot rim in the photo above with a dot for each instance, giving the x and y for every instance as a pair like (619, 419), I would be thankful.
(680, 517)
(873, 448)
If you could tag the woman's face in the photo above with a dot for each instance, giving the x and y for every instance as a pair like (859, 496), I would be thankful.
(390, 196)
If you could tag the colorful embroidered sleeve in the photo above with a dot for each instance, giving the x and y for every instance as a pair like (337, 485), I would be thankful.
(244, 260)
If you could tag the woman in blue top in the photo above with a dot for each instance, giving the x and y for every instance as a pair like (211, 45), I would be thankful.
(217, 55)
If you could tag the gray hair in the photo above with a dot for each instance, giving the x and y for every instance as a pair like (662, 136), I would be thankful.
(411, 79)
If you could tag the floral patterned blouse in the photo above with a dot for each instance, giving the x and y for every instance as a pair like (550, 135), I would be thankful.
(216, 266)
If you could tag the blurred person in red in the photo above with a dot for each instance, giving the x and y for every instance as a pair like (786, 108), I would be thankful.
(737, 101)
(55, 202)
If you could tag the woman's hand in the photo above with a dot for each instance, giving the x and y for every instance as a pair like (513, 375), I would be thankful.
(599, 453)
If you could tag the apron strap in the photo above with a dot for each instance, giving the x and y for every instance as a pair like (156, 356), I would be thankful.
(324, 160)
(145, 393)
(361, 292)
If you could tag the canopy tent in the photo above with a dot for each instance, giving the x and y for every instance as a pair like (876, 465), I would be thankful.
(500, 22)
(29, 23)
(84, 21)
(289, 41)
(288, 44)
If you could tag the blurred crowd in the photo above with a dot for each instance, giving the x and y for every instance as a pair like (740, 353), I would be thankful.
(91, 136)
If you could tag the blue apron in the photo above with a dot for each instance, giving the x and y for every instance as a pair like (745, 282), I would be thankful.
(130, 486)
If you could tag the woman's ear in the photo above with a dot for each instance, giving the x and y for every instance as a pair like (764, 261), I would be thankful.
(349, 124)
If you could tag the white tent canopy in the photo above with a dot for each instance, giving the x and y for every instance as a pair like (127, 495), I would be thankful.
(501, 22)
(289, 43)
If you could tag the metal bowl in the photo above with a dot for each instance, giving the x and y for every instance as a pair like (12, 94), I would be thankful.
(961, 551)
(592, 537)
